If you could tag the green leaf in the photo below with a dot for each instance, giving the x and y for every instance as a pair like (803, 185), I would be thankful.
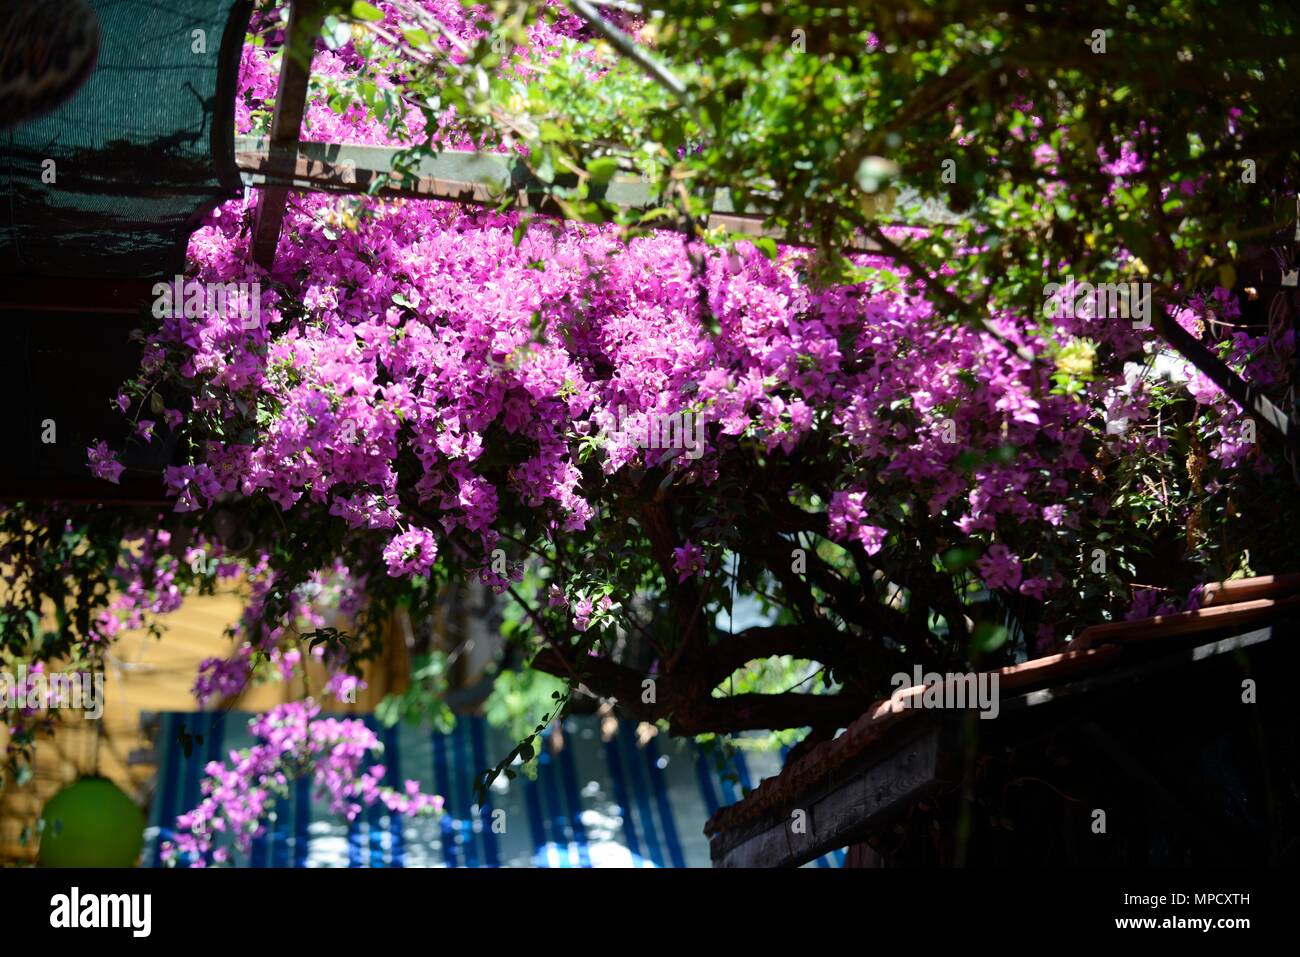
(602, 169)
(988, 637)
(417, 38)
(960, 558)
(365, 11)
(545, 169)
(521, 229)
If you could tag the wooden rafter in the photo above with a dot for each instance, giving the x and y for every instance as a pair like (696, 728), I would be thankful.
(482, 179)
(1250, 399)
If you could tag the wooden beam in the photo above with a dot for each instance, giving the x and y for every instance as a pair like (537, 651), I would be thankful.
(484, 179)
(837, 813)
(1251, 401)
(1249, 589)
(463, 176)
(305, 17)
(481, 179)
(1236, 615)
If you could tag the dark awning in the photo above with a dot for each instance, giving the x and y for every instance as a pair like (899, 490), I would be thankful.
(140, 153)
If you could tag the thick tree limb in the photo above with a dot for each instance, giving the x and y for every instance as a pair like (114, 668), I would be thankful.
(754, 712)
(822, 644)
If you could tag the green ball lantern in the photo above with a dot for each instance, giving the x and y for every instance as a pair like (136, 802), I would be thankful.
(91, 823)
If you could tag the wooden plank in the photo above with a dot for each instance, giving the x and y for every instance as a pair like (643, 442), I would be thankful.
(1145, 671)
(1248, 589)
(305, 17)
(1056, 667)
(454, 175)
(1187, 622)
(835, 816)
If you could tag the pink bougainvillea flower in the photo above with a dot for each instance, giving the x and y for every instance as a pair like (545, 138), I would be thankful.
(411, 553)
(688, 560)
(1000, 567)
(846, 519)
(104, 463)
(582, 611)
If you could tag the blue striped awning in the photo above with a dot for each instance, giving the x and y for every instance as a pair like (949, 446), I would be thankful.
(594, 803)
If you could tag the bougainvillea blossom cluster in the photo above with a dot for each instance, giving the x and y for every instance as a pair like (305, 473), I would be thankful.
(293, 741)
